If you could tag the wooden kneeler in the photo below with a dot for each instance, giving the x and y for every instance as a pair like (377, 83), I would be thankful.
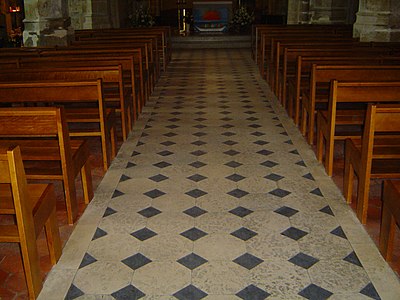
(34, 207)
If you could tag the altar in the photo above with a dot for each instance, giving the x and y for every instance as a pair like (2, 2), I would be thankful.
(211, 16)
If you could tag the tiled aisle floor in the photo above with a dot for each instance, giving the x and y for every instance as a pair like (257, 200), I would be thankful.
(216, 196)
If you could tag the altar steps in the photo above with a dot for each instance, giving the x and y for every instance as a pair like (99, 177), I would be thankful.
(208, 41)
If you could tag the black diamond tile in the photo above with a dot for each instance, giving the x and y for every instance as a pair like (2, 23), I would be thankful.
(99, 233)
(165, 153)
(144, 134)
(197, 164)
(117, 194)
(174, 120)
(170, 134)
(309, 176)
(338, 231)
(327, 209)
(269, 164)
(265, 152)
(194, 234)
(314, 292)
(87, 260)
(233, 164)
(303, 260)
(162, 164)
(109, 211)
(261, 142)
(200, 126)
(158, 178)
(231, 152)
(195, 211)
(135, 153)
(228, 133)
(227, 126)
(124, 178)
(353, 258)
(284, 133)
(235, 177)
(190, 293)
(143, 234)
(136, 261)
(241, 211)
(286, 211)
(173, 126)
(198, 143)
(200, 119)
(251, 118)
(301, 163)
(279, 125)
(226, 119)
(294, 152)
(370, 291)
(198, 153)
(154, 193)
(317, 192)
(73, 293)
(225, 112)
(244, 234)
(279, 193)
(199, 134)
(257, 133)
(252, 293)
(294, 233)
(230, 143)
(130, 165)
(274, 177)
(167, 143)
(149, 212)
(197, 177)
(248, 261)
(255, 126)
(192, 261)
(196, 193)
(238, 193)
(200, 113)
(128, 293)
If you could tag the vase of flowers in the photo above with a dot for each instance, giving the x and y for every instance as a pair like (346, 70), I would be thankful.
(241, 20)
(141, 17)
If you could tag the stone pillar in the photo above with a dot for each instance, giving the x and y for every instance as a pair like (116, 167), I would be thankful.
(46, 23)
(378, 20)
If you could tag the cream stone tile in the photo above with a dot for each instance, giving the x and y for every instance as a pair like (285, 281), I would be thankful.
(266, 221)
(217, 202)
(161, 278)
(170, 222)
(220, 277)
(114, 247)
(219, 247)
(166, 247)
(218, 222)
(103, 277)
(122, 223)
(280, 278)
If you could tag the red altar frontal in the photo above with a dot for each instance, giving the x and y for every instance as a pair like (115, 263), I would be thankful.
(211, 16)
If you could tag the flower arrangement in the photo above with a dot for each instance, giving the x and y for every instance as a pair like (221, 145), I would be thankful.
(241, 19)
(15, 37)
(141, 18)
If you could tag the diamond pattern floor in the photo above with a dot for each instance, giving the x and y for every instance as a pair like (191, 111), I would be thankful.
(215, 195)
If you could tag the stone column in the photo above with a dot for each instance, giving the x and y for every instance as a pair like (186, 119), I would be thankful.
(378, 20)
(46, 23)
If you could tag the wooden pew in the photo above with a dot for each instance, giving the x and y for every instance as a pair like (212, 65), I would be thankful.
(136, 53)
(377, 154)
(390, 217)
(316, 97)
(340, 121)
(34, 208)
(115, 94)
(162, 32)
(95, 121)
(297, 65)
(47, 151)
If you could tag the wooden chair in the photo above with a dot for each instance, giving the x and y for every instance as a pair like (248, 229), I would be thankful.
(34, 207)
(390, 216)
(47, 151)
(376, 155)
